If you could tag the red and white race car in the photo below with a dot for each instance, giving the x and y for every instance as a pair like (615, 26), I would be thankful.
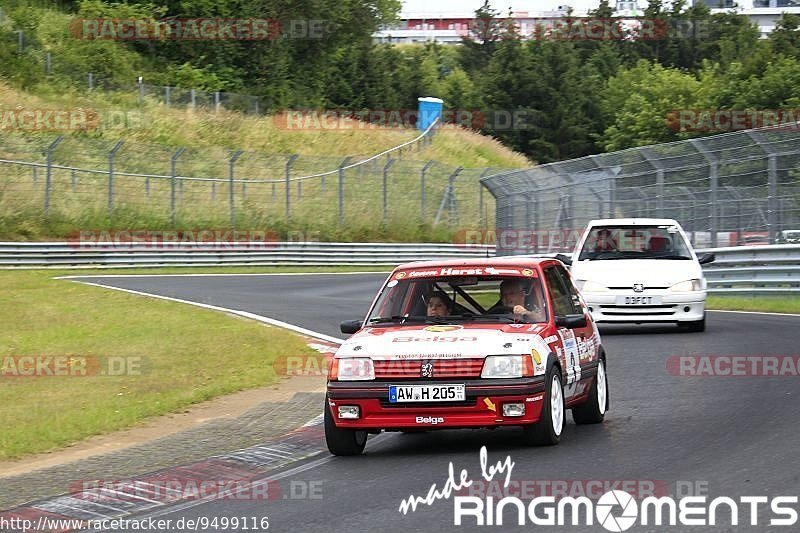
(468, 344)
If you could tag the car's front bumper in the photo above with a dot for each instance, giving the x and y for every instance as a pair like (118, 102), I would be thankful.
(475, 411)
(671, 307)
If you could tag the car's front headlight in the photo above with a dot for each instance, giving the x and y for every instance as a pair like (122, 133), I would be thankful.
(504, 366)
(687, 286)
(590, 286)
(353, 369)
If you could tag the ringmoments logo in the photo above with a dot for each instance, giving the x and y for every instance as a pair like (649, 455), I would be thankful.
(615, 510)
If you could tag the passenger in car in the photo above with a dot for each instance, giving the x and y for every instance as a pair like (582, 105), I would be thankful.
(439, 304)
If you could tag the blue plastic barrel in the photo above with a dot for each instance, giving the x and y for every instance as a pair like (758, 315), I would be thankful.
(429, 110)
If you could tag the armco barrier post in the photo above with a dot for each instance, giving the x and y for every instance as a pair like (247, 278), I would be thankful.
(111, 155)
(49, 174)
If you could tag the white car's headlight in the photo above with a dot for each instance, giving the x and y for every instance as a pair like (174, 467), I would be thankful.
(687, 286)
(590, 286)
(502, 366)
(353, 369)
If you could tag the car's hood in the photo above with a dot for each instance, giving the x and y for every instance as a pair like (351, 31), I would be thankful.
(442, 342)
(626, 272)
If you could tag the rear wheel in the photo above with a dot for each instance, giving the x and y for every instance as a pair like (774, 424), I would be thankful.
(547, 431)
(594, 410)
(342, 441)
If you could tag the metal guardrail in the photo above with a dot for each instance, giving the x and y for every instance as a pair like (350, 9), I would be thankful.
(147, 255)
(739, 270)
(754, 270)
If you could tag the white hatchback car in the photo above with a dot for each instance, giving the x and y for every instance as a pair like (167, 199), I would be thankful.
(640, 270)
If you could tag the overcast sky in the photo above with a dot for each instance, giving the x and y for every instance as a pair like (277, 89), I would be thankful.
(435, 6)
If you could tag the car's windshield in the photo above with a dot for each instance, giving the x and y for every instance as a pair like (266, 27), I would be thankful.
(634, 242)
(411, 296)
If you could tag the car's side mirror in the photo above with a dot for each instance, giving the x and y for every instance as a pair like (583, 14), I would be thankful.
(567, 260)
(349, 327)
(571, 321)
(706, 258)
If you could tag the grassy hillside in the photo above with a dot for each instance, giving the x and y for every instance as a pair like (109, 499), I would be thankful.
(152, 133)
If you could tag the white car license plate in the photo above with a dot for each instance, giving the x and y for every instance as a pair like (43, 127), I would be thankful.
(426, 393)
(638, 300)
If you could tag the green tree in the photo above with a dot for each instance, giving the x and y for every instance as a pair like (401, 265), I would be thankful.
(638, 102)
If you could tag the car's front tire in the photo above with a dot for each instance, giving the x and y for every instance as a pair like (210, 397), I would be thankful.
(547, 431)
(594, 410)
(695, 326)
(342, 441)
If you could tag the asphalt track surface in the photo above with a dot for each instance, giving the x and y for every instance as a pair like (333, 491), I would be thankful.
(727, 436)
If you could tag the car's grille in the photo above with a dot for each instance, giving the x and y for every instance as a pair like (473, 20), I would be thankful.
(650, 310)
(647, 288)
(469, 402)
(442, 369)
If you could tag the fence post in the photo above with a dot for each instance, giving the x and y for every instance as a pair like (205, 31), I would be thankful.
(288, 176)
(194, 99)
(166, 95)
(234, 156)
(446, 197)
(20, 42)
(422, 175)
(713, 178)
(772, 197)
(173, 164)
(48, 63)
(49, 174)
(91, 81)
(341, 189)
(452, 206)
(386, 168)
(73, 180)
(141, 91)
(111, 155)
(481, 217)
(216, 101)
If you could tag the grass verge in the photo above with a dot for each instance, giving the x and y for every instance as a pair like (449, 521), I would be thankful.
(181, 355)
(766, 304)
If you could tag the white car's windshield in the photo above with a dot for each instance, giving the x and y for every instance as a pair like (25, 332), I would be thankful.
(459, 299)
(634, 242)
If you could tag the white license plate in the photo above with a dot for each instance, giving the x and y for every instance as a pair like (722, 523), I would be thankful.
(426, 393)
(638, 300)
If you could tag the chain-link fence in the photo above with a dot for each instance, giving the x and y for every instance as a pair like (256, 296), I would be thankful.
(84, 181)
(725, 190)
